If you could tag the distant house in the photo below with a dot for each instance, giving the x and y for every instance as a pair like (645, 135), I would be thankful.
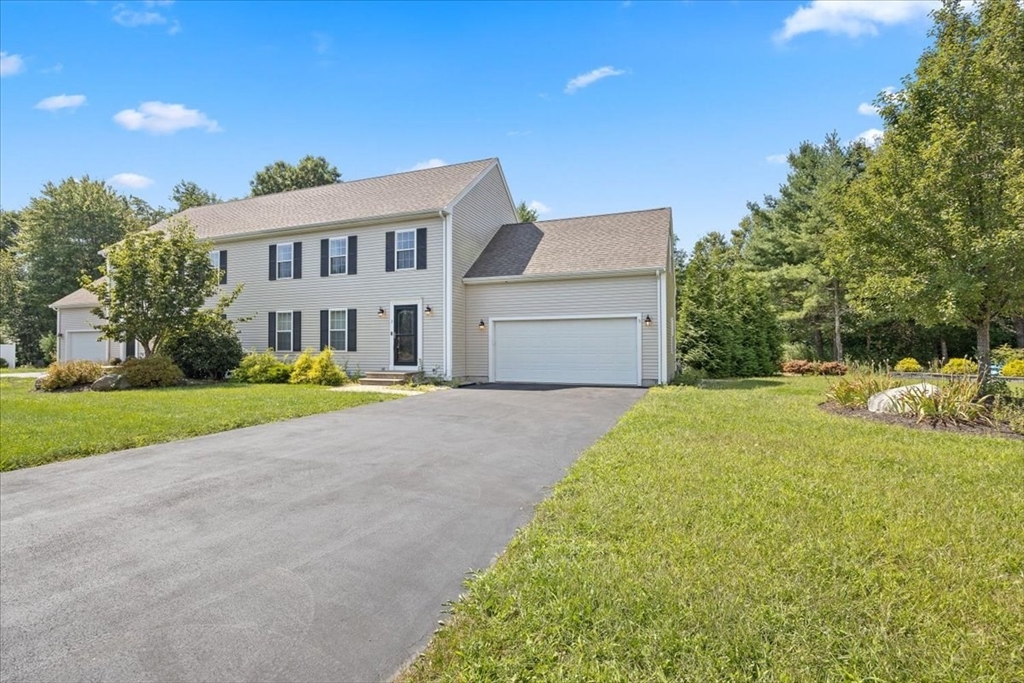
(428, 270)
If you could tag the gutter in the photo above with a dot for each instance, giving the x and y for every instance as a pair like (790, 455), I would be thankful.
(583, 275)
(313, 227)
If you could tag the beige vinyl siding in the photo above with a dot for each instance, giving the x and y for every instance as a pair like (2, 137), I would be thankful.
(634, 295)
(80, 320)
(371, 288)
(475, 219)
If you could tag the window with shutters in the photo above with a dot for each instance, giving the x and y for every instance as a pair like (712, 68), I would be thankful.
(339, 255)
(284, 261)
(405, 249)
(337, 329)
(215, 259)
(284, 331)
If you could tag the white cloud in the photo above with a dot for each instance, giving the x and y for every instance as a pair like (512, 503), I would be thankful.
(429, 163)
(131, 18)
(776, 158)
(853, 17)
(131, 180)
(55, 69)
(583, 80)
(540, 207)
(159, 118)
(867, 109)
(61, 102)
(871, 137)
(11, 64)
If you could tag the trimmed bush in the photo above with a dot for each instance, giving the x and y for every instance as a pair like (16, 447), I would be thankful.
(153, 371)
(1006, 353)
(831, 368)
(959, 366)
(262, 368)
(1014, 368)
(908, 365)
(807, 367)
(301, 368)
(69, 374)
(325, 372)
(209, 349)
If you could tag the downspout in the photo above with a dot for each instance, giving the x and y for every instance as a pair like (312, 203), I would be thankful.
(446, 244)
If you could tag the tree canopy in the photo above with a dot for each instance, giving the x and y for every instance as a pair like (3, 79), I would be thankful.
(187, 194)
(281, 176)
(525, 214)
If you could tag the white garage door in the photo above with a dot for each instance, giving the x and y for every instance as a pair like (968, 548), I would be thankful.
(86, 346)
(567, 351)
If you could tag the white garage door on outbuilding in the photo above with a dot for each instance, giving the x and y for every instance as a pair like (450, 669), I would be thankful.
(571, 350)
(86, 346)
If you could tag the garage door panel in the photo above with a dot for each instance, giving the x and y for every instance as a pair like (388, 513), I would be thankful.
(567, 351)
(86, 346)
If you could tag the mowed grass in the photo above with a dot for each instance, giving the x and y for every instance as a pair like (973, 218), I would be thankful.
(38, 427)
(739, 533)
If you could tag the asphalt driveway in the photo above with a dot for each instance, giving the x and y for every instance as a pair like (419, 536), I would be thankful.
(317, 549)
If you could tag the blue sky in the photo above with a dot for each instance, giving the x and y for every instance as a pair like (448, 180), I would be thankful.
(591, 107)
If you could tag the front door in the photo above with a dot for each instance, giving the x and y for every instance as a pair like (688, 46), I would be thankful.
(406, 336)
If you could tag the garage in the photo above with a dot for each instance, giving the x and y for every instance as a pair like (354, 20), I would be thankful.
(86, 346)
(598, 350)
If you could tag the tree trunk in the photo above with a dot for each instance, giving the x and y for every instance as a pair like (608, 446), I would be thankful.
(837, 319)
(1018, 324)
(984, 353)
(819, 345)
(943, 350)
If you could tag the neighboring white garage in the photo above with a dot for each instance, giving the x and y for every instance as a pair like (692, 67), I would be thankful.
(567, 351)
(85, 346)
(77, 337)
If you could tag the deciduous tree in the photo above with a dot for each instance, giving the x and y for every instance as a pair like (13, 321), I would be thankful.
(188, 194)
(281, 176)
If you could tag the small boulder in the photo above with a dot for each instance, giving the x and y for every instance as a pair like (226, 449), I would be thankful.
(110, 382)
(38, 384)
(891, 401)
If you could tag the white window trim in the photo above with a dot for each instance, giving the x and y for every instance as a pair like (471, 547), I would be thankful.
(279, 261)
(414, 254)
(277, 331)
(344, 312)
(330, 241)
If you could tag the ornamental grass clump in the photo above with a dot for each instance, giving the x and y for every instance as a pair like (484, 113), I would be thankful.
(854, 390)
(958, 402)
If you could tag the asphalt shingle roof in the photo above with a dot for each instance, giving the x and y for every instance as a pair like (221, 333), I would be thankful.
(618, 241)
(79, 297)
(411, 192)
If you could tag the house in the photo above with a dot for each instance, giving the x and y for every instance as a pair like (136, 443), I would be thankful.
(429, 271)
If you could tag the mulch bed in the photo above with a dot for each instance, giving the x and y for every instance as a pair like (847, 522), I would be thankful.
(975, 428)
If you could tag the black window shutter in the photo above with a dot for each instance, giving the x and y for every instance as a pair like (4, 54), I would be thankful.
(129, 349)
(325, 257)
(389, 258)
(353, 250)
(325, 338)
(297, 265)
(351, 330)
(296, 330)
(272, 330)
(421, 248)
(273, 261)
(223, 266)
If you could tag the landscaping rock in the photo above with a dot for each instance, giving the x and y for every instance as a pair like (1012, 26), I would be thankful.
(110, 382)
(889, 401)
(38, 384)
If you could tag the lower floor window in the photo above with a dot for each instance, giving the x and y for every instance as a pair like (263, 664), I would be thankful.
(338, 330)
(284, 331)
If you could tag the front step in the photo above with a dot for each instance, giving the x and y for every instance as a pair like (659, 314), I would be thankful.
(385, 379)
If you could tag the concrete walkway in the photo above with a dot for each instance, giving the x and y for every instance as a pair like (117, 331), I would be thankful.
(317, 549)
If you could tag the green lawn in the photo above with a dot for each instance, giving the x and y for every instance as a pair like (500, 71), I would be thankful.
(40, 427)
(741, 534)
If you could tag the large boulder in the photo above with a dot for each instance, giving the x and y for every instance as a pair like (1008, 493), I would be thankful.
(891, 401)
(110, 382)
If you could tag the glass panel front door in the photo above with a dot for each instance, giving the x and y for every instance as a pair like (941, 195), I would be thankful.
(406, 351)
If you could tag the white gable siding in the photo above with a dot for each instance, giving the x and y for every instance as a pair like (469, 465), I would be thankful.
(475, 219)
(80, 320)
(636, 295)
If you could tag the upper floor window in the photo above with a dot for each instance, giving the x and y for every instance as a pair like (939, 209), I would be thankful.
(405, 249)
(339, 256)
(215, 259)
(284, 261)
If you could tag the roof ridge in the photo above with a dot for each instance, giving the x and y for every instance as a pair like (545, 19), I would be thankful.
(593, 215)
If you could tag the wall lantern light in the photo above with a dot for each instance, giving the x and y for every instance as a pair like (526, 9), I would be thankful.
(381, 313)
(647, 321)
(482, 325)
(428, 310)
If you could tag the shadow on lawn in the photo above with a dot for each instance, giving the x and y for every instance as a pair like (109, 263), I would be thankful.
(733, 384)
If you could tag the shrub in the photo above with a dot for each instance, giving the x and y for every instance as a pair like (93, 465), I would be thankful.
(1005, 354)
(325, 372)
(152, 371)
(209, 349)
(908, 365)
(799, 367)
(959, 366)
(1014, 368)
(854, 390)
(830, 368)
(115, 361)
(301, 368)
(48, 347)
(3, 363)
(957, 402)
(262, 368)
(71, 373)
(689, 377)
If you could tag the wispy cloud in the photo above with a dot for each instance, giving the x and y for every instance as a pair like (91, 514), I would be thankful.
(871, 137)
(160, 118)
(776, 158)
(131, 180)
(429, 163)
(57, 102)
(591, 77)
(540, 207)
(55, 69)
(853, 18)
(519, 133)
(11, 64)
(867, 109)
(149, 16)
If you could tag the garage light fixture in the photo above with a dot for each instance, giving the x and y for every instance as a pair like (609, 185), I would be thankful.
(482, 325)
(381, 313)
(648, 322)
(428, 310)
